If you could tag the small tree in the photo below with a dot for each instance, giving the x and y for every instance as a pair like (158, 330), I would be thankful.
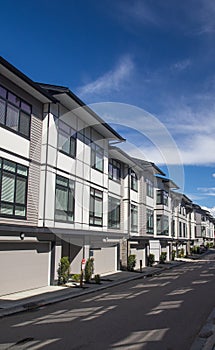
(63, 270)
(97, 279)
(163, 257)
(151, 259)
(131, 262)
(89, 268)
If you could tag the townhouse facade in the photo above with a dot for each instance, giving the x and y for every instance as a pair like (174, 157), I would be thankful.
(67, 190)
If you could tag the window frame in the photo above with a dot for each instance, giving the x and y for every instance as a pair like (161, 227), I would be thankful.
(70, 188)
(134, 180)
(72, 136)
(16, 176)
(162, 231)
(149, 221)
(149, 188)
(97, 150)
(114, 210)
(163, 197)
(113, 164)
(96, 196)
(134, 213)
(21, 111)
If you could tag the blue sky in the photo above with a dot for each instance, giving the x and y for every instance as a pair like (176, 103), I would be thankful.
(155, 55)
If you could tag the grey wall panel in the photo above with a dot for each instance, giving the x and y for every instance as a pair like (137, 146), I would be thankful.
(23, 266)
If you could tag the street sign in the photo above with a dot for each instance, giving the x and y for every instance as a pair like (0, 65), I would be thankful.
(83, 263)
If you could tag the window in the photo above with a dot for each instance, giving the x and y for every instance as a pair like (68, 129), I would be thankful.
(180, 229)
(66, 139)
(133, 180)
(114, 170)
(185, 229)
(162, 197)
(13, 182)
(134, 218)
(173, 228)
(162, 225)
(14, 113)
(150, 221)
(64, 199)
(97, 157)
(113, 212)
(149, 188)
(96, 207)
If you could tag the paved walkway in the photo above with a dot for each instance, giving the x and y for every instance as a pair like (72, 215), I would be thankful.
(34, 298)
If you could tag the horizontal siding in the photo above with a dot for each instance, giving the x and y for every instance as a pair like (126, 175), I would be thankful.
(34, 171)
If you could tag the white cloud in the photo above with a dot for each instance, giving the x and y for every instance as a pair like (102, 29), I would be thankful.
(211, 210)
(181, 65)
(213, 175)
(112, 81)
(209, 191)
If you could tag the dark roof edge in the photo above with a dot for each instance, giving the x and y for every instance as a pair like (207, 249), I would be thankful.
(66, 90)
(22, 76)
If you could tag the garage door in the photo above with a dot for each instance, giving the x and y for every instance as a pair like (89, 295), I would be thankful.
(23, 266)
(105, 260)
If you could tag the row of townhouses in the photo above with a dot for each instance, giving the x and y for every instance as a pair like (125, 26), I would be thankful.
(67, 190)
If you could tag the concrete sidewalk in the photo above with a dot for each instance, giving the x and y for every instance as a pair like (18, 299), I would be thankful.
(35, 298)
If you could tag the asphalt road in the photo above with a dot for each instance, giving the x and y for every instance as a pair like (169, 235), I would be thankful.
(164, 312)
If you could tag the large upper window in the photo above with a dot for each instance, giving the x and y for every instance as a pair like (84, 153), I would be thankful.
(66, 139)
(113, 212)
(13, 187)
(134, 185)
(149, 188)
(150, 221)
(162, 197)
(162, 225)
(14, 113)
(97, 157)
(64, 199)
(96, 207)
(114, 170)
(134, 218)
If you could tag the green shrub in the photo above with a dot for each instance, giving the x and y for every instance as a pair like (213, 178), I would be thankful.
(163, 257)
(89, 268)
(63, 270)
(76, 277)
(97, 279)
(131, 262)
(181, 253)
(151, 259)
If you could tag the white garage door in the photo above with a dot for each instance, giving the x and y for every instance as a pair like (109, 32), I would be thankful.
(105, 260)
(23, 266)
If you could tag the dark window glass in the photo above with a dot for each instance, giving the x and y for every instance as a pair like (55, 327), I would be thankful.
(2, 111)
(96, 207)
(113, 212)
(14, 99)
(24, 124)
(64, 199)
(114, 170)
(149, 188)
(13, 189)
(97, 157)
(15, 113)
(162, 197)
(3, 92)
(162, 225)
(133, 181)
(66, 139)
